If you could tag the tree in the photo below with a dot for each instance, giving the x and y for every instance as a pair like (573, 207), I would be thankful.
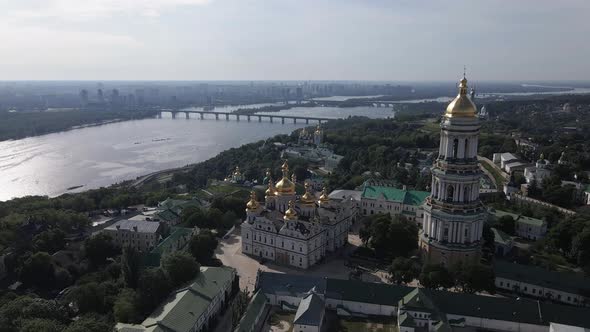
(126, 306)
(50, 241)
(474, 277)
(239, 306)
(88, 297)
(154, 286)
(507, 224)
(202, 246)
(228, 220)
(99, 247)
(392, 237)
(403, 270)
(89, 323)
(435, 277)
(38, 270)
(180, 267)
(41, 325)
(130, 266)
(22, 308)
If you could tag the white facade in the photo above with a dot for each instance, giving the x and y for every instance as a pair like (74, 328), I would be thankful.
(293, 231)
(538, 291)
(453, 214)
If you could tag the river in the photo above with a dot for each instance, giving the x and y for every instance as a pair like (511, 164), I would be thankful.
(99, 156)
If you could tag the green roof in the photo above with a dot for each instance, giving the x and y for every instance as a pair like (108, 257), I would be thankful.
(408, 197)
(517, 217)
(167, 215)
(171, 243)
(258, 304)
(177, 204)
(183, 308)
(568, 282)
(501, 237)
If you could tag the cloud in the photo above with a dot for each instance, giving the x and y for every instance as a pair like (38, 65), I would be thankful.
(79, 10)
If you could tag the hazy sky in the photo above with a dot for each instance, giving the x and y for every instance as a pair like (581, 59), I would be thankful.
(294, 39)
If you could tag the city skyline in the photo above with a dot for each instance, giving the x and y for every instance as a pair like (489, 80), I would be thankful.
(293, 40)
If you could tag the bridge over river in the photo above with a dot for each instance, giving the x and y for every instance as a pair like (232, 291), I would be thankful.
(248, 117)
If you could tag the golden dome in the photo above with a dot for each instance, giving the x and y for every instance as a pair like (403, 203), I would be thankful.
(461, 106)
(285, 186)
(290, 214)
(308, 197)
(252, 203)
(324, 197)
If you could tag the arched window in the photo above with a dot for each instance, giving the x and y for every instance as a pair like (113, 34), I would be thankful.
(455, 148)
(450, 193)
(466, 153)
(466, 192)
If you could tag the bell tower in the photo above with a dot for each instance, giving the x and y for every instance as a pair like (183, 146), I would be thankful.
(453, 213)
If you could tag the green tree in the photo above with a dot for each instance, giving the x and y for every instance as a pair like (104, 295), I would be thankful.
(403, 270)
(99, 247)
(88, 297)
(89, 323)
(130, 266)
(38, 270)
(180, 267)
(50, 241)
(154, 286)
(435, 276)
(507, 224)
(202, 246)
(239, 306)
(126, 308)
(41, 325)
(474, 277)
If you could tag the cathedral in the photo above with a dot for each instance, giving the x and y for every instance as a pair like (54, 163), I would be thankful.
(294, 230)
(454, 216)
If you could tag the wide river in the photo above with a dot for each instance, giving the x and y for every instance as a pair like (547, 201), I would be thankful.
(103, 155)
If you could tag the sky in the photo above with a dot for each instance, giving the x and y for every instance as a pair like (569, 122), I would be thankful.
(398, 40)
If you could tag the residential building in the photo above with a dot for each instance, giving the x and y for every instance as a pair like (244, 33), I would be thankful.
(420, 309)
(292, 230)
(453, 213)
(381, 197)
(178, 239)
(193, 308)
(141, 235)
(569, 288)
(526, 227)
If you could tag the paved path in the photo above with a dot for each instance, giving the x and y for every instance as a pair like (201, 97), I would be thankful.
(229, 252)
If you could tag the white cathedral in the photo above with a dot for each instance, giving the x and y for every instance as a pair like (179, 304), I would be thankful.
(295, 230)
(454, 216)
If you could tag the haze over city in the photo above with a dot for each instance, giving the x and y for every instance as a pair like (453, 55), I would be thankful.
(293, 40)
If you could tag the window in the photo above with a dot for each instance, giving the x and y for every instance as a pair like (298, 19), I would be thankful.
(455, 147)
(246, 235)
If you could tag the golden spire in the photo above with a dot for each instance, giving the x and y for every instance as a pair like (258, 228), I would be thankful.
(290, 214)
(308, 197)
(324, 197)
(461, 106)
(271, 191)
(252, 203)
(285, 186)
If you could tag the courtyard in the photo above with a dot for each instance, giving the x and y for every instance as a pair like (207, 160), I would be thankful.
(229, 251)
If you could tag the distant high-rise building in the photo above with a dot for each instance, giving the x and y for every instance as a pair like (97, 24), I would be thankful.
(84, 97)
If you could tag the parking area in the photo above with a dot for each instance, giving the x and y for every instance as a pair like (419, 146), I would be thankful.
(229, 252)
